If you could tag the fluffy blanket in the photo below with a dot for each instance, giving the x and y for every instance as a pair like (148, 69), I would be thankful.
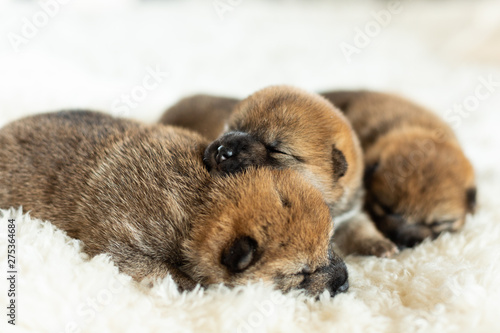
(134, 58)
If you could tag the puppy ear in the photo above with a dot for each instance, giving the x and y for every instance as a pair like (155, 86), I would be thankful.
(470, 195)
(240, 255)
(339, 163)
(369, 171)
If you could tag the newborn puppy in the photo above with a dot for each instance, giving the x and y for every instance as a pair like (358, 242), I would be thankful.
(287, 128)
(419, 182)
(143, 195)
(284, 127)
(204, 114)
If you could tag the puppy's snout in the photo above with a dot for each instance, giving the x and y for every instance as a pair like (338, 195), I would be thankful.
(234, 152)
(410, 236)
(223, 153)
(339, 282)
(343, 288)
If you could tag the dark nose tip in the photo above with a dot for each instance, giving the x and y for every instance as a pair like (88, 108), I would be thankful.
(408, 241)
(339, 287)
(340, 283)
(411, 235)
(222, 154)
(343, 288)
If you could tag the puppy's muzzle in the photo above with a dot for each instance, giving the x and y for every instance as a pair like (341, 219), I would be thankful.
(222, 154)
(339, 278)
(400, 231)
(332, 277)
(234, 152)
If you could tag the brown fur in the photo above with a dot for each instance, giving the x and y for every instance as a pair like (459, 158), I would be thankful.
(143, 195)
(204, 114)
(310, 136)
(284, 127)
(419, 182)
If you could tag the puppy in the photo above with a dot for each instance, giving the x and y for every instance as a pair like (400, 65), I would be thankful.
(287, 128)
(143, 195)
(204, 114)
(419, 182)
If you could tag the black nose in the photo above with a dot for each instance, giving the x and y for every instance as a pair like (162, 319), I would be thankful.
(408, 240)
(411, 235)
(343, 288)
(340, 280)
(222, 153)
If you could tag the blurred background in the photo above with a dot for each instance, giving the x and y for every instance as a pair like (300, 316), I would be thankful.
(134, 58)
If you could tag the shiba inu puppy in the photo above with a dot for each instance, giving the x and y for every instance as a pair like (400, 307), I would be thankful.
(287, 128)
(204, 114)
(419, 182)
(143, 194)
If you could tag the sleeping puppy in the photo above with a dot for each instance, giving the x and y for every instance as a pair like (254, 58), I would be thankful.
(143, 195)
(204, 114)
(419, 182)
(287, 128)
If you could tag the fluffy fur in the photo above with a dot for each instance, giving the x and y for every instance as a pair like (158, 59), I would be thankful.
(207, 114)
(286, 127)
(451, 285)
(142, 194)
(418, 181)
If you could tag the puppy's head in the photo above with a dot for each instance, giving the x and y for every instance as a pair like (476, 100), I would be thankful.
(284, 127)
(265, 224)
(419, 184)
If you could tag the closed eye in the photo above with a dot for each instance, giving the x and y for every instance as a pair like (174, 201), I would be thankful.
(436, 223)
(273, 147)
(306, 280)
(387, 209)
(275, 150)
(439, 226)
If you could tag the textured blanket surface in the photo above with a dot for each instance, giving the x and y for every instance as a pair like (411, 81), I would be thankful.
(134, 58)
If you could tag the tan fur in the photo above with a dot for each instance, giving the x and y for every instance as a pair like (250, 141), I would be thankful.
(418, 180)
(204, 114)
(285, 127)
(308, 127)
(143, 195)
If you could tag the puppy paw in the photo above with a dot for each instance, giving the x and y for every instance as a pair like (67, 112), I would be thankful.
(382, 248)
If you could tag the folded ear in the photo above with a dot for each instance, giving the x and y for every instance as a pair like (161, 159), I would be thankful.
(240, 255)
(470, 195)
(339, 163)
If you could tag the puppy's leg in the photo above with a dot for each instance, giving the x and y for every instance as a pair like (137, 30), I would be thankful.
(359, 235)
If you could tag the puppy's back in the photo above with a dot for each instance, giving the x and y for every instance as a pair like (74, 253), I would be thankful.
(374, 114)
(101, 178)
(49, 154)
(204, 114)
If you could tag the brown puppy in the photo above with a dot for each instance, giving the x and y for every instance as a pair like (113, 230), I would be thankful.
(143, 195)
(204, 114)
(419, 182)
(284, 127)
